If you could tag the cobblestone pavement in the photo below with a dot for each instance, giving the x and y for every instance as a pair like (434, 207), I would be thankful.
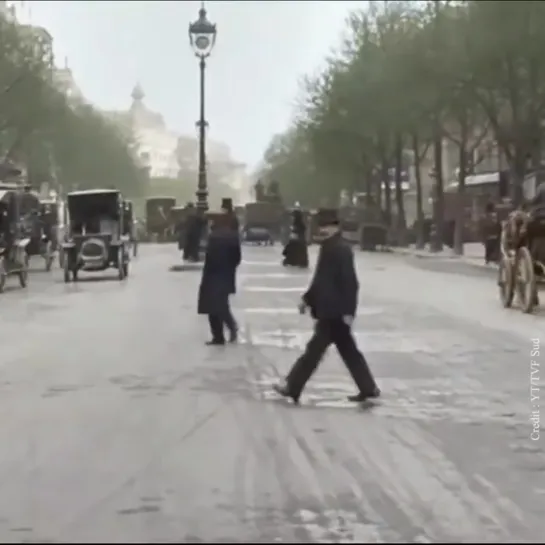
(120, 425)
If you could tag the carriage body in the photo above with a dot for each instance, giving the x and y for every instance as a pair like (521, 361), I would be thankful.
(158, 219)
(13, 239)
(522, 263)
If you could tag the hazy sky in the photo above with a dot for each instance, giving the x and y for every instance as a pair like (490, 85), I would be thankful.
(262, 49)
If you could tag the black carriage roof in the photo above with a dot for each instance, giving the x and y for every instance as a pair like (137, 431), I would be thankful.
(6, 192)
(160, 198)
(89, 192)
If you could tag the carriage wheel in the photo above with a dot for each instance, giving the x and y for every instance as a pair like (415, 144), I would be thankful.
(505, 282)
(525, 280)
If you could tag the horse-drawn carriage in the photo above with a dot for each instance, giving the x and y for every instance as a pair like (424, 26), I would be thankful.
(158, 222)
(39, 223)
(13, 241)
(522, 262)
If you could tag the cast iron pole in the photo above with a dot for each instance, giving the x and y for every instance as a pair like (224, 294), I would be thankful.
(202, 184)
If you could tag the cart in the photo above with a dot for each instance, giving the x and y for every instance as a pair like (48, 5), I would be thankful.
(522, 263)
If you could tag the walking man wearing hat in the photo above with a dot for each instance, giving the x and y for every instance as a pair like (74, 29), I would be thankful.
(332, 298)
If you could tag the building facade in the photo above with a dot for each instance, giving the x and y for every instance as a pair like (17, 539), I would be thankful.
(168, 154)
(66, 83)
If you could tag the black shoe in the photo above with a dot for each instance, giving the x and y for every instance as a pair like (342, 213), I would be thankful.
(284, 391)
(215, 342)
(361, 397)
(233, 336)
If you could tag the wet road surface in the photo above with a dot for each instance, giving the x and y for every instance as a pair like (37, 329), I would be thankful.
(120, 425)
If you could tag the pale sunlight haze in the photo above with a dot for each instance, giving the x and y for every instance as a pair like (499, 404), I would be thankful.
(262, 50)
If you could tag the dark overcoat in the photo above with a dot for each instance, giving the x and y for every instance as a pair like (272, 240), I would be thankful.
(218, 275)
(333, 291)
(234, 238)
(295, 252)
(193, 233)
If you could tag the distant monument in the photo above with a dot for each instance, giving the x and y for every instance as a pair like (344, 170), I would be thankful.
(259, 190)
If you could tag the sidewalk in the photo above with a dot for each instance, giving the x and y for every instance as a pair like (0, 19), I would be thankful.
(473, 254)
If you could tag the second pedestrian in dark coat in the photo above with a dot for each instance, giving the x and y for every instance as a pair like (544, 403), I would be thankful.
(218, 280)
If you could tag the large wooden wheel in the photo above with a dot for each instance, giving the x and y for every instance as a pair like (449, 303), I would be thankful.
(525, 283)
(506, 282)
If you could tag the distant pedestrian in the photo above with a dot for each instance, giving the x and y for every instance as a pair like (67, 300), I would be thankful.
(332, 298)
(491, 234)
(295, 252)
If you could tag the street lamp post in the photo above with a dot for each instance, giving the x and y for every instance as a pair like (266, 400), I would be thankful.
(202, 37)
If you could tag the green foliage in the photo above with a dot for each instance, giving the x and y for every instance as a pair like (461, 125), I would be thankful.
(52, 137)
(413, 72)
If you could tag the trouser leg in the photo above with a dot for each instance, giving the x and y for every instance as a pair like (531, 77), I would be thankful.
(229, 321)
(216, 327)
(352, 357)
(305, 366)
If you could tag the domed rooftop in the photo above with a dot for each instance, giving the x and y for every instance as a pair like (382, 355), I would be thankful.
(140, 114)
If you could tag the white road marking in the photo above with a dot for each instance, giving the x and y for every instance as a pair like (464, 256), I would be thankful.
(278, 289)
(261, 263)
(368, 311)
(269, 275)
(256, 310)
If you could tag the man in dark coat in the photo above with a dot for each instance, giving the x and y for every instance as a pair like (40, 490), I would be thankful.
(218, 280)
(232, 224)
(332, 298)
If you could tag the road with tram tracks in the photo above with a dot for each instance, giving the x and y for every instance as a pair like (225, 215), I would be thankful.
(119, 425)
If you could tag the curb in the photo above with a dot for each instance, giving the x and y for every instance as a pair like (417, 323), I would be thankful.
(424, 254)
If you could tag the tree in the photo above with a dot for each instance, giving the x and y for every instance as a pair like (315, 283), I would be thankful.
(507, 76)
(410, 75)
(52, 138)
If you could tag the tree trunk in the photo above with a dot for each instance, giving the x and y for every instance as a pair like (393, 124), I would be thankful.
(517, 167)
(385, 179)
(439, 202)
(401, 226)
(420, 243)
(378, 189)
(460, 201)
